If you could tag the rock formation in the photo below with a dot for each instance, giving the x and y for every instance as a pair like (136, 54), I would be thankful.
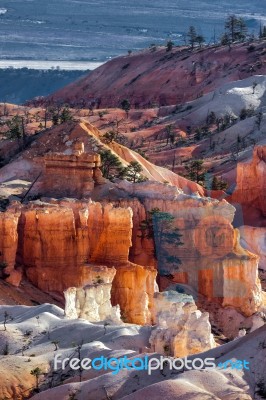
(212, 261)
(93, 302)
(133, 289)
(181, 329)
(67, 244)
(254, 240)
(150, 77)
(8, 246)
(59, 242)
(82, 169)
(251, 181)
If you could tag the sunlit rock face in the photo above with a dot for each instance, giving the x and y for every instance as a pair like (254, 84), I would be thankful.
(212, 261)
(93, 302)
(133, 289)
(82, 167)
(8, 246)
(59, 242)
(72, 243)
(251, 181)
(254, 240)
(181, 329)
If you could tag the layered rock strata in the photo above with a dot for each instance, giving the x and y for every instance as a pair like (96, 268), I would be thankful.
(212, 261)
(61, 245)
(254, 240)
(251, 181)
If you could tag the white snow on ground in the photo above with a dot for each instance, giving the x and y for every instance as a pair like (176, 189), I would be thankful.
(231, 98)
(37, 327)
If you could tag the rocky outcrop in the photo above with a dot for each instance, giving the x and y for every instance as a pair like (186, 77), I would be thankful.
(93, 302)
(181, 329)
(212, 261)
(133, 289)
(73, 244)
(251, 181)
(8, 246)
(59, 242)
(254, 240)
(83, 168)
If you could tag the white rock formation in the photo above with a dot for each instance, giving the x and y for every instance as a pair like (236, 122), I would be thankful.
(93, 302)
(181, 328)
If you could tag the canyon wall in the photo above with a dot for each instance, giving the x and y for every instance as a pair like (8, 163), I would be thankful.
(69, 243)
(251, 181)
(212, 261)
(8, 246)
(59, 241)
(254, 240)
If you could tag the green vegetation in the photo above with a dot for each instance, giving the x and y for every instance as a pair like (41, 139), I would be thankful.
(112, 168)
(195, 171)
(132, 173)
(194, 37)
(169, 45)
(37, 372)
(235, 30)
(125, 105)
(160, 227)
(111, 165)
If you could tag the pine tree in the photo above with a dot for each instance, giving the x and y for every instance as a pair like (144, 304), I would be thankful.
(132, 173)
(169, 45)
(111, 165)
(37, 372)
(160, 227)
(125, 105)
(195, 171)
(192, 36)
(235, 28)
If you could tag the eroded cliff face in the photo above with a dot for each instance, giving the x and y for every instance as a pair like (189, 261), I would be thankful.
(181, 329)
(254, 240)
(133, 289)
(8, 246)
(212, 261)
(60, 241)
(62, 245)
(251, 181)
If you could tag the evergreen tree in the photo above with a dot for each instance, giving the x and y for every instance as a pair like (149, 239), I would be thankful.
(37, 372)
(111, 165)
(65, 115)
(169, 45)
(235, 28)
(200, 40)
(125, 105)
(15, 128)
(219, 184)
(132, 173)
(192, 36)
(160, 227)
(195, 171)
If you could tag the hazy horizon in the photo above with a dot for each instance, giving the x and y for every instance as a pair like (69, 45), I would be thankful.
(86, 30)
